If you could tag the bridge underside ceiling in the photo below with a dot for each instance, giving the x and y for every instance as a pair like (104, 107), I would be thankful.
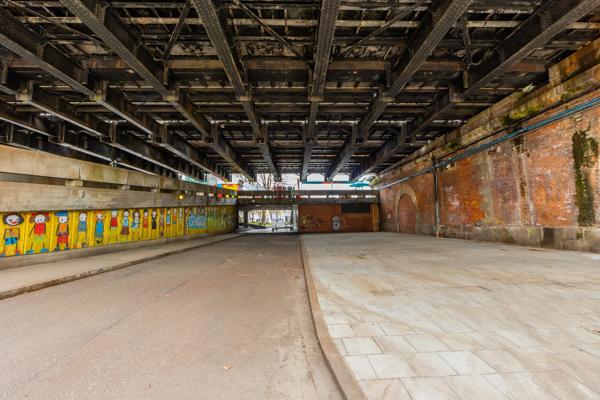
(290, 86)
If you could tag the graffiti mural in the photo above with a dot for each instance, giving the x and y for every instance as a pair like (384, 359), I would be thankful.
(43, 232)
(360, 217)
(12, 234)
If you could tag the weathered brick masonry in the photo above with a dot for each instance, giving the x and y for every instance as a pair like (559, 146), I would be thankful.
(539, 189)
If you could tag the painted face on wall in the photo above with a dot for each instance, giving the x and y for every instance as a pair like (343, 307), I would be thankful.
(114, 213)
(83, 217)
(153, 213)
(99, 216)
(125, 214)
(63, 219)
(136, 216)
(145, 213)
(39, 219)
(13, 219)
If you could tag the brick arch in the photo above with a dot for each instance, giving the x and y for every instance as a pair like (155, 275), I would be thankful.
(406, 209)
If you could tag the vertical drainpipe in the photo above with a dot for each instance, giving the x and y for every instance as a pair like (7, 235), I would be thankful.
(436, 197)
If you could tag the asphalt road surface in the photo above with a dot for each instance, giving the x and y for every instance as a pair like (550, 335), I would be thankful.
(227, 321)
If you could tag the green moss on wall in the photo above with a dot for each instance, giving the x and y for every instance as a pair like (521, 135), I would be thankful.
(514, 119)
(453, 144)
(508, 121)
(585, 155)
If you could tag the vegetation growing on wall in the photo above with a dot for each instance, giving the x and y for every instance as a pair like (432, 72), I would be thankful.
(515, 119)
(585, 156)
(44, 232)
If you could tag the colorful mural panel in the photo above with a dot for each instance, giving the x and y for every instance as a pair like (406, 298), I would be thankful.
(50, 231)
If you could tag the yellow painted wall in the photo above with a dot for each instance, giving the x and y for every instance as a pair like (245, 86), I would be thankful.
(42, 232)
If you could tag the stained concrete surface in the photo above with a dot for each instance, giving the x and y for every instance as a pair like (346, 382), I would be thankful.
(15, 281)
(423, 318)
(228, 321)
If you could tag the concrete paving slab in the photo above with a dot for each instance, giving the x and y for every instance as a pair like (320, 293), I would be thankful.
(227, 321)
(460, 319)
(15, 281)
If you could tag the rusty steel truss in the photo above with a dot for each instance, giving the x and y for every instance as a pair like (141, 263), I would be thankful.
(268, 86)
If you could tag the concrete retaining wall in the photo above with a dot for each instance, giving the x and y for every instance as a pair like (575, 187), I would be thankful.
(52, 204)
(53, 231)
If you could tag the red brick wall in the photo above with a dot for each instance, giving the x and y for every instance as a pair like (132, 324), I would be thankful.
(319, 218)
(540, 189)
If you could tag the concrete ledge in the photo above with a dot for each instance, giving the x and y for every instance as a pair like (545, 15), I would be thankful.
(579, 238)
(30, 278)
(44, 258)
(344, 378)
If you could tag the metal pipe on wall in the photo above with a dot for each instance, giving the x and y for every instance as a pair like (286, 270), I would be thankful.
(436, 197)
(595, 102)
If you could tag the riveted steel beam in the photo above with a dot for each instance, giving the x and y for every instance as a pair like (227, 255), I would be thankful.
(12, 136)
(389, 148)
(442, 103)
(19, 39)
(420, 45)
(352, 144)
(177, 30)
(105, 22)
(212, 25)
(181, 148)
(220, 146)
(55, 105)
(30, 46)
(399, 16)
(267, 28)
(550, 19)
(329, 15)
(129, 152)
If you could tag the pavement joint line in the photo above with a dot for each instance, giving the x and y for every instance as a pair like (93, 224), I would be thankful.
(70, 278)
(335, 360)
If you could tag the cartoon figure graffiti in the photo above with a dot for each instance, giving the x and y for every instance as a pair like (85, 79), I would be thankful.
(145, 228)
(135, 226)
(161, 225)
(81, 239)
(11, 234)
(62, 231)
(125, 225)
(38, 233)
(174, 223)
(154, 226)
(336, 223)
(168, 221)
(99, 228)
(114, 226)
